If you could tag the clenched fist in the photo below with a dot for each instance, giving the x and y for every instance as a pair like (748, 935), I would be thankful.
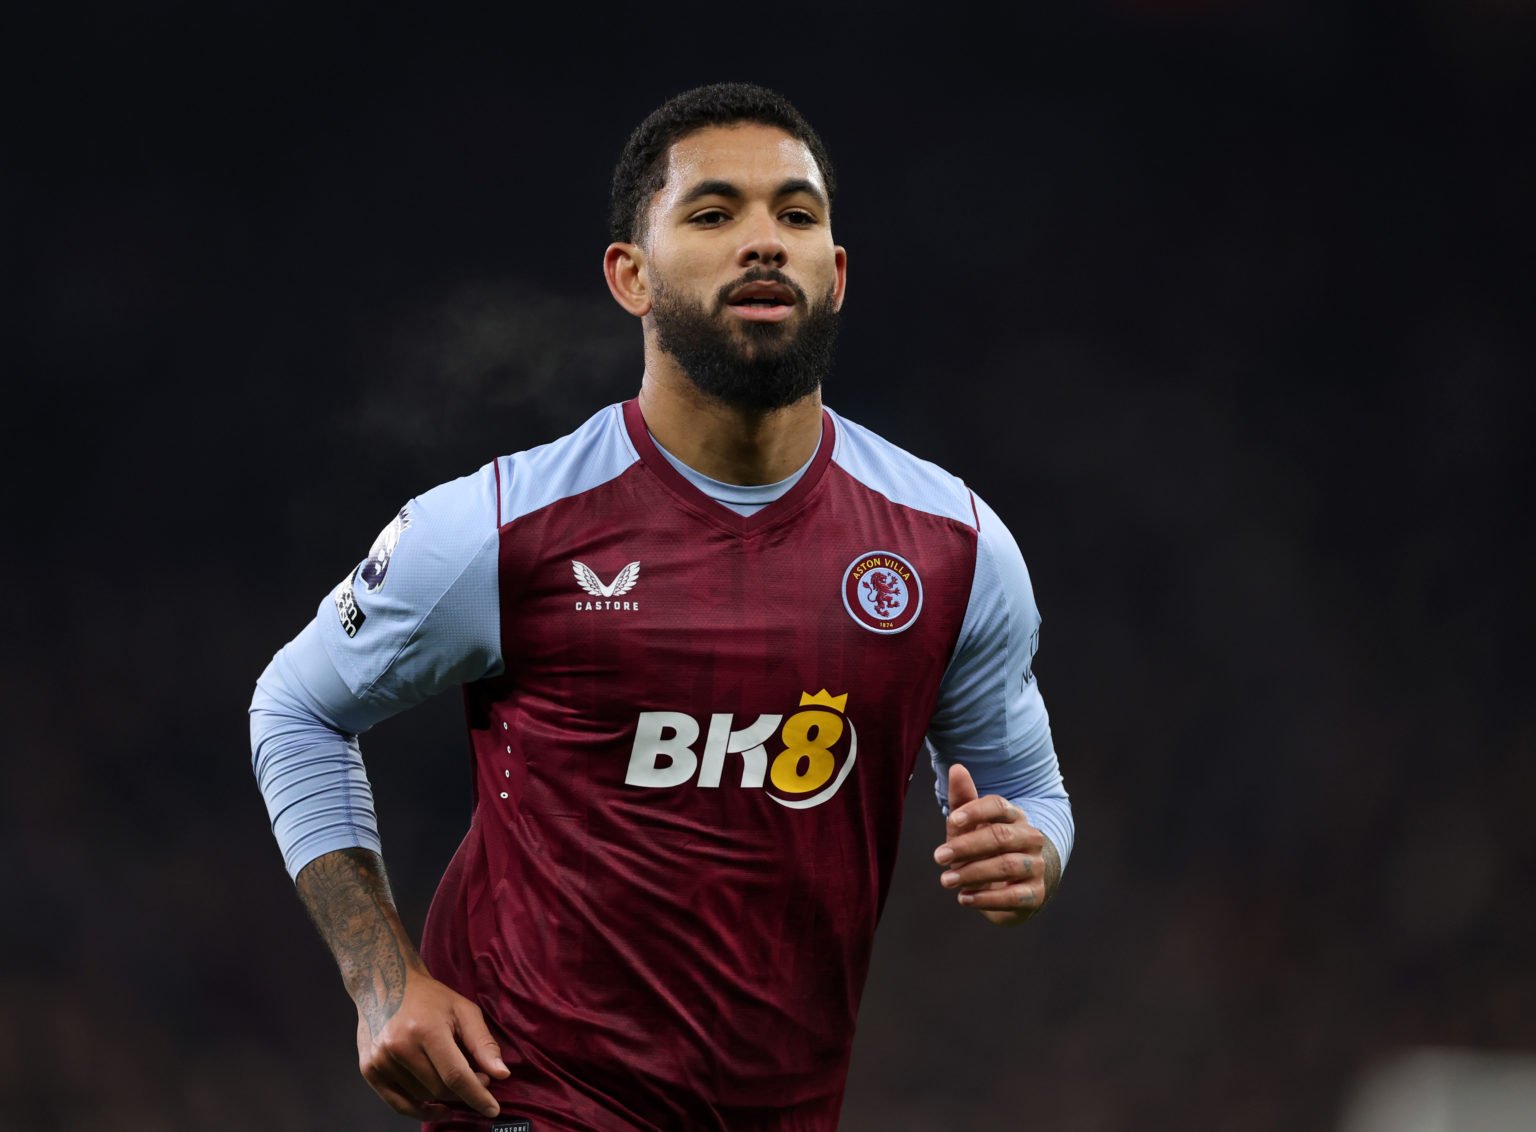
(993, 858)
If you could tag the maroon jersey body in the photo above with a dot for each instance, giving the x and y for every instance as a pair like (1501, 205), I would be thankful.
(689, 783)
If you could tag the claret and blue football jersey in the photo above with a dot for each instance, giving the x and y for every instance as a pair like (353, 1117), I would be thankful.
(693, 730)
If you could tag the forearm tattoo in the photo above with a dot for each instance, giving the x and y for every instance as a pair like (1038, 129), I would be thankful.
(347, 895)
(1052, 869)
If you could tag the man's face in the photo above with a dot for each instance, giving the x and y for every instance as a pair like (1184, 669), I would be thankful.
(746, 281)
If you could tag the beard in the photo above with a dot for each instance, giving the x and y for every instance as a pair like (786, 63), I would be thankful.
(758, 366)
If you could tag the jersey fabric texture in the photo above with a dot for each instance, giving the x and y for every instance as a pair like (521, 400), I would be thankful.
(693, 731)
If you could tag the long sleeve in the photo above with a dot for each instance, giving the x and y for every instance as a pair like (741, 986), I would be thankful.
(418, 615)
(991, 717)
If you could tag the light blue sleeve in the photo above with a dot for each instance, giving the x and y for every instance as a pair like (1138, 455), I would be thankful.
(419, 614)
(990, 716)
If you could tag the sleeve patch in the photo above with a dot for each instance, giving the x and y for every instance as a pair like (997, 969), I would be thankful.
(371, 571)
(352, 617)
(375, 567)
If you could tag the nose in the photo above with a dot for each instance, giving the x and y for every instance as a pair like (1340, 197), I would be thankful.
(762, 246)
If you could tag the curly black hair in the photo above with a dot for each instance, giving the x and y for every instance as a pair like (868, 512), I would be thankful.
(642, 166)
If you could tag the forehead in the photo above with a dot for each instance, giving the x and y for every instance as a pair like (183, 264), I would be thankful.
(749, 155)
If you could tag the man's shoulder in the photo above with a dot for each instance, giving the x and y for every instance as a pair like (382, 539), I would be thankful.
(511, 486)
(590, 455)
(897, 474)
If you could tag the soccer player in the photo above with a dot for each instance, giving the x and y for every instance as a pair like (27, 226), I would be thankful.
(703, 640)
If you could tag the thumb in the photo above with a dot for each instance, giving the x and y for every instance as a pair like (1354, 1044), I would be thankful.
(962, 789)
(477, 1041)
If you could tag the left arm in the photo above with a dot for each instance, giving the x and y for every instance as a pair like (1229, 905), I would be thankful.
(1009, 827)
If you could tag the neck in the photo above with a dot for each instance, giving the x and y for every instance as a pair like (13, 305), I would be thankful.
(723, 442)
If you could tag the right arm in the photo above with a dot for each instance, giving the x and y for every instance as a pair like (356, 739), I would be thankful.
(413, 1033)
(347, 896)
(418, 615)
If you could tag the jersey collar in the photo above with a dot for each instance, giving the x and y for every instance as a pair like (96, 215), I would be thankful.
(716, 513)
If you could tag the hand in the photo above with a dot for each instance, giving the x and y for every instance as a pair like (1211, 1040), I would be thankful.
(415, 1058)
(992, 855)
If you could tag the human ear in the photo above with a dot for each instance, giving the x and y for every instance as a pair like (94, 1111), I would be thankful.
(624, 268)
(840, 262)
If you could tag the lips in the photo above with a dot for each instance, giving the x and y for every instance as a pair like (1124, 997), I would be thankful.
(762, 301)
(762, 296)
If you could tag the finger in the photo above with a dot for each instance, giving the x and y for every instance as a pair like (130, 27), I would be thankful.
(1009, 868)
(405, 1063)
(458, 1078)
(994, 807)
(476, 1038)
(989, 841)
(400, 1092)
(962, 790)
(403, 1104)
(1025, 897)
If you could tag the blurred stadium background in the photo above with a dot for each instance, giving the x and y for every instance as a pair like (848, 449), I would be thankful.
(1220, 306)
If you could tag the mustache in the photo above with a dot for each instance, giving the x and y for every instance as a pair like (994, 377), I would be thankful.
(760, 275)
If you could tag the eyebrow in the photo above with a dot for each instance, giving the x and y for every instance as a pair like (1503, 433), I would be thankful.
(732, 192)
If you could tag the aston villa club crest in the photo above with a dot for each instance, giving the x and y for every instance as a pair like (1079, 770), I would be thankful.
(882, 592)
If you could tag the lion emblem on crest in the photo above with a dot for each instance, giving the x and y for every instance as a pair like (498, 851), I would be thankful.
(885, 592)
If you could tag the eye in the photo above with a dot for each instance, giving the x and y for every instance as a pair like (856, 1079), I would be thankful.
(709, 218)
(799, 217)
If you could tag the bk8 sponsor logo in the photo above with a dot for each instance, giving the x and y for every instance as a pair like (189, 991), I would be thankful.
(818, 745)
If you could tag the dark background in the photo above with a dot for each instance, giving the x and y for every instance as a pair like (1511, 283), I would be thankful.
(1222, 306)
